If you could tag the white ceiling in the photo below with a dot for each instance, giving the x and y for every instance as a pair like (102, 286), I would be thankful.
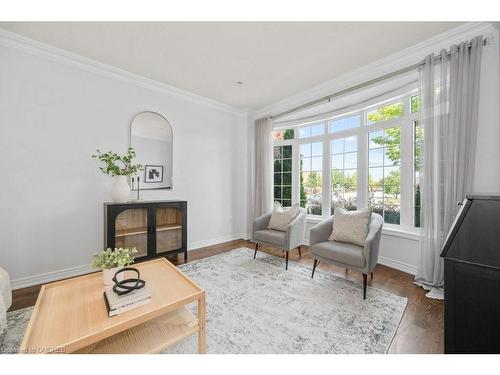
(274, 60)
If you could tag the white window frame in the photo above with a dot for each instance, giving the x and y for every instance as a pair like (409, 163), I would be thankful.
(406, 122)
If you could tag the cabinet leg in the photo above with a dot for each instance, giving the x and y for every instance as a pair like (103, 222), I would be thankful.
(185, 256)
(201, 325)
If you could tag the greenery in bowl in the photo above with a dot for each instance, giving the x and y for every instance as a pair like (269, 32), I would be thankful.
(111, 161)
(109, 258)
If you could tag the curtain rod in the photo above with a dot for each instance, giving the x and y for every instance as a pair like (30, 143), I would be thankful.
(328, 98)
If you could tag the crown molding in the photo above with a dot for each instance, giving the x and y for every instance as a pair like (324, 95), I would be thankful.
(395, 61)
(15, 41)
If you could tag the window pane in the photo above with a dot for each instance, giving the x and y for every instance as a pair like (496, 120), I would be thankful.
(376, 157)
(415, 103)
(287, 178)
(311, 179)
(376, 139)
(345, 123)
(282, 174)
(287, 152)
(277, 192)
(338, 161)
(277, 179)
(351, 144)
(283, 134)
(305, 132)
(384, 174)
(318, 129)
(317, 149)
(351, 160)
(343, 180)
(337, 146)
(317, 164)
(305, 150)
(384, 113)
(418, 139)
(287, 165)
(277, 166)
(277, 152)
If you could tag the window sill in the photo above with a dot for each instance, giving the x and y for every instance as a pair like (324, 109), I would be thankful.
(388, 230)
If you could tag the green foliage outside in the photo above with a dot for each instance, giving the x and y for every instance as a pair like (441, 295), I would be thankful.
(386, 113)
(338, 180)
(313, 180)
(288, 134)
(303, 196)
(415, 104)
(392, 184)
(112, 160)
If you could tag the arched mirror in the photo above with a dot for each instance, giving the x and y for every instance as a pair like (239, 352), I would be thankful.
(152, 138)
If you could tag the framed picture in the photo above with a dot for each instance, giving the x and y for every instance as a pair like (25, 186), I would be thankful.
(153, 173)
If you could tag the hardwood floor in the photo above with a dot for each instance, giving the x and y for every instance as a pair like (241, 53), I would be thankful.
(420, 330)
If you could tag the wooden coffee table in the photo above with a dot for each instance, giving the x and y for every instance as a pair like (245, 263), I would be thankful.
(70, 315)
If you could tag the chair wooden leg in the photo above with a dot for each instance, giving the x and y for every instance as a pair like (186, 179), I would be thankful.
(365, 276)
(286, 262)
(314, 267)
(256, 247)
(300, 254)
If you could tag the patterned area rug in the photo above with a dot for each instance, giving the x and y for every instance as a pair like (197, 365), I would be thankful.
(255, 306)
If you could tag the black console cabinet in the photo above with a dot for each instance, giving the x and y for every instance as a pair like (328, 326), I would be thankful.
(154, 228)
(472, 278)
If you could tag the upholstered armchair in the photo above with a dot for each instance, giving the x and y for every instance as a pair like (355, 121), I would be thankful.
(285, 241)
(353, 257)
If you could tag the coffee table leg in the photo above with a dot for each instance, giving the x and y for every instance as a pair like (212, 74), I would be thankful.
(201, 324)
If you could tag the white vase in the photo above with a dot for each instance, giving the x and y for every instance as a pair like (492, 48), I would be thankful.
(121, 190)
(109, 273)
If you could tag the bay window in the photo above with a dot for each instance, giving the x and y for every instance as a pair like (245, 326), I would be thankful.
(368, 157)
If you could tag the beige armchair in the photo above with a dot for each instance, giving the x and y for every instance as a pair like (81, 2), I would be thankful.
(353, 257)
(285, 241)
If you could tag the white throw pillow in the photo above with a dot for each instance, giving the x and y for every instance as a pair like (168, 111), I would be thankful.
(282, 217)
(350, 226)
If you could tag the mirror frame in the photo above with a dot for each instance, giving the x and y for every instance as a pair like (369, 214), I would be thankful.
(130, 143)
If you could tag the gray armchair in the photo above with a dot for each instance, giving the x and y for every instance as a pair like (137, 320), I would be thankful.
(353, 257)
(286, 241)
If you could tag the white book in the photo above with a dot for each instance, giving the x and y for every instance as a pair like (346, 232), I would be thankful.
(131, 306)
(115, 301)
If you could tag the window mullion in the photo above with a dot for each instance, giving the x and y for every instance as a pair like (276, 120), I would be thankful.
(406, 150)
(362, 199)
(326, 194)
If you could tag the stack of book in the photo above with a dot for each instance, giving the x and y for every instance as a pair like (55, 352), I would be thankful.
(117, 304)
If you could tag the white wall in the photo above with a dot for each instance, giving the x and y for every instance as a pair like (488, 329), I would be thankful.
(54, 114)
(401, 250)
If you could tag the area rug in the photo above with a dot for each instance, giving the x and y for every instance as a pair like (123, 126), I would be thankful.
(255, 306)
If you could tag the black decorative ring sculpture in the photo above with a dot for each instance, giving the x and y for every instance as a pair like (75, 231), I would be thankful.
(123, 287)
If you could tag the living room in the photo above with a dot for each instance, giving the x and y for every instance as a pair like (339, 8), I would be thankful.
(261, 190)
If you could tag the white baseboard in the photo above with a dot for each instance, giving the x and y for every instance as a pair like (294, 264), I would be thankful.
(396, 264)
(215, 241)
(48, 277)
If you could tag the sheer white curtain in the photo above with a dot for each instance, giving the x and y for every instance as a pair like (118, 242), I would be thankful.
(263, 166)
(450, 97)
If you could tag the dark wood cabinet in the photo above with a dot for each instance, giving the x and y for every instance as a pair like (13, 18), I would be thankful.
(472, 278)
(154, 228)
